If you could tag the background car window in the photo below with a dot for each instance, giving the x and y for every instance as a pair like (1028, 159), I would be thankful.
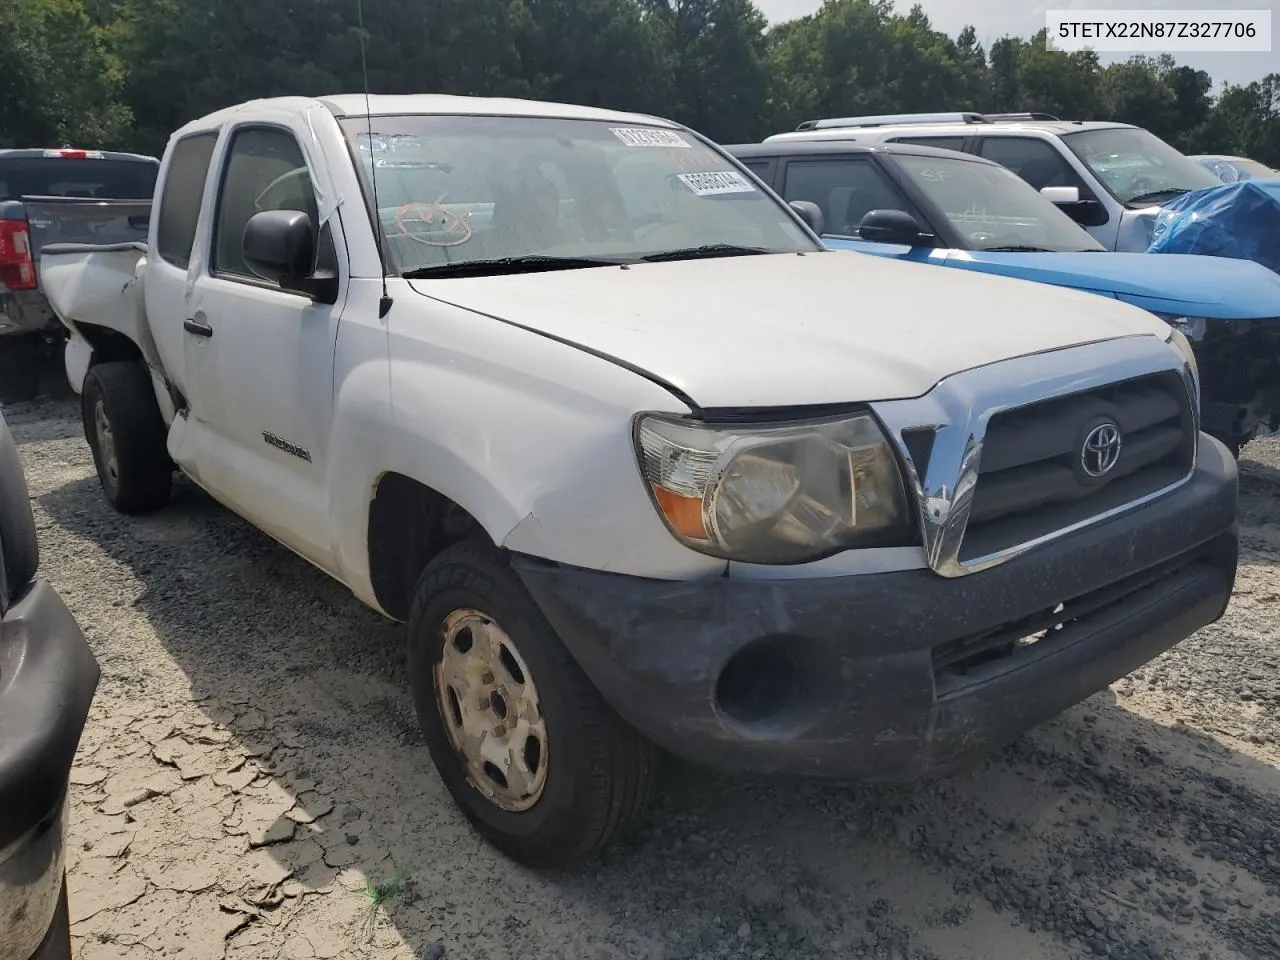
(760, 168)
(992, 208)
(1136, 165)
(942, 143)
(87, 179)
(265, 170)
(1034, 161)
(846, 190)
(183, 195)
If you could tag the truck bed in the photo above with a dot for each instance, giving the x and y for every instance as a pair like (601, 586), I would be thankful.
(65, 220)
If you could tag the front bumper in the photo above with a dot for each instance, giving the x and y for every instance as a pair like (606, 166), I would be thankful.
(48, 676)
(898, 675)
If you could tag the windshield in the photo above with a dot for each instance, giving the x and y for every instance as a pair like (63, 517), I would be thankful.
(84, 178)
(454, 190)
(1138, 167)
(993, 208)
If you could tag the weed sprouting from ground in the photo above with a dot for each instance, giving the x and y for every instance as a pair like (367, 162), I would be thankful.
(380, 893)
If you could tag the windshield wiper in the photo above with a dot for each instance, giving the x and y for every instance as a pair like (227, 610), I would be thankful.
(526, 264)
(705, 251)
(1152, 196)
(1015, 248)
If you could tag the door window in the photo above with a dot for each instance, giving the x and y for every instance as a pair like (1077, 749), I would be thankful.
(182, 197)
(845, 190)
(1035, 161)
(265, 170)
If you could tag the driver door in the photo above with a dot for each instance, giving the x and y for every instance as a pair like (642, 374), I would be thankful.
(262, 357)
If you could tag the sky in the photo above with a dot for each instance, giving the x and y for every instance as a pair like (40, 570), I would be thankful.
(994, 19)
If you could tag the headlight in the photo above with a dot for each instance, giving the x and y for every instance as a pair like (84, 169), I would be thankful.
(774, 494)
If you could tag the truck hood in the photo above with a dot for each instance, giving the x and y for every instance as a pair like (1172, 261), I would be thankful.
(1197, 286)
(786, 330)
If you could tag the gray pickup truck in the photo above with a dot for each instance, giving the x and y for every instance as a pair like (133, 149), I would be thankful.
(57, 196)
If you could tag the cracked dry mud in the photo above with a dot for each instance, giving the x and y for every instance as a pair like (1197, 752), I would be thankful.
(252, 785)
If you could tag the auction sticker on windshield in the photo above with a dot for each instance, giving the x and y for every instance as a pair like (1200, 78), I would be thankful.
(716, 182)
(642, 137)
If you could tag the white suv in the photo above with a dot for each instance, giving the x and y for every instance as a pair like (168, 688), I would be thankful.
(1111, 178)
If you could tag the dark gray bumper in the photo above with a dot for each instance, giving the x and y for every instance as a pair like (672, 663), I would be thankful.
(26, 311)
(48, 676)
(898, 675)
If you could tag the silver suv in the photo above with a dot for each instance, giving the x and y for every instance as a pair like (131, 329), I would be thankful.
(1111, 178)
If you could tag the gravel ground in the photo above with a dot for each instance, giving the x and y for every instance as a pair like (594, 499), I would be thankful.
(252, 784)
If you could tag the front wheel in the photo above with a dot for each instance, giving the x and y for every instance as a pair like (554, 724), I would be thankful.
(126, 433)
(526, 746)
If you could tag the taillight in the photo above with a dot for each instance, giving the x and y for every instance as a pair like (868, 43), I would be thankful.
(68, 153)
(17, 270)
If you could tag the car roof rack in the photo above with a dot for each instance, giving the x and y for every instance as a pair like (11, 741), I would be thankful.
(909, 119)
(1014, 117)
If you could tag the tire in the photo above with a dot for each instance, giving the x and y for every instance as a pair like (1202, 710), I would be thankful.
(21, 549)
(19, 367)
(126, 433)
(597, 772)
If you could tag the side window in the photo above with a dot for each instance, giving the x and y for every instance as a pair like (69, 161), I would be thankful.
(761, 168)
(265, 170)
(183, 193)
(1034, 161)
(846, 190)
(942, 143)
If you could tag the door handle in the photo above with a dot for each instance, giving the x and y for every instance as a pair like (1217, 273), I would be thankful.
(198, 328)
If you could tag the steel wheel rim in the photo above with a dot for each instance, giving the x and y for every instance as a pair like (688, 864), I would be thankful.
(491, 712)
(106, 443)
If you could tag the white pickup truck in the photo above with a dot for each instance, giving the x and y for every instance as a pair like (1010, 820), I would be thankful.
(640, 464)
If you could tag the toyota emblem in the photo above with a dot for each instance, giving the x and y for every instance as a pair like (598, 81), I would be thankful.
(1101, 450)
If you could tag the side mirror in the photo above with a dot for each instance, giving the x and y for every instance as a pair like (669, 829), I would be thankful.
(810, 213)
(1061, 194)
(280, 246)
(890, 226)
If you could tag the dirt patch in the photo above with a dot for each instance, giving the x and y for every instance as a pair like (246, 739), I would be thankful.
(252, 785)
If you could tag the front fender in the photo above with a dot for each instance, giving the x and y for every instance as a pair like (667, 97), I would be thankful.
(530, 436)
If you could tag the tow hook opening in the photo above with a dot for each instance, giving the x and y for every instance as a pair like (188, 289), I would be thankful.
(772, 687)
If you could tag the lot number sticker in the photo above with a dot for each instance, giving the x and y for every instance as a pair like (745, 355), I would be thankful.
(649, 137)
(716, 182)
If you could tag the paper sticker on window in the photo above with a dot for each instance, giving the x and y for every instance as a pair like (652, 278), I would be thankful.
(716, 182)
(649, 137)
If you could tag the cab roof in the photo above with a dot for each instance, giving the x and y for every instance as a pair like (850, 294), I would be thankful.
(382, 105)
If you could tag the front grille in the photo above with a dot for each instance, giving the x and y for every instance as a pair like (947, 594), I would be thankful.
(1237, 358)
(1032, 478)
(965, 660)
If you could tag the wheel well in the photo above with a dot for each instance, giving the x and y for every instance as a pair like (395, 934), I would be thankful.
(409, 523)
(108, 345)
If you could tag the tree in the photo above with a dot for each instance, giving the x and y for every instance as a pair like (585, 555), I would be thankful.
(1136, 92)
(59, 83)
(714, 53)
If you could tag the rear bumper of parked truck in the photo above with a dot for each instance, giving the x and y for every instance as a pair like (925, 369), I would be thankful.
(48, 676)
(898, 675)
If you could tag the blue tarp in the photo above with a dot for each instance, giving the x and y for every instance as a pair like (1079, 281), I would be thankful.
(1238, 220)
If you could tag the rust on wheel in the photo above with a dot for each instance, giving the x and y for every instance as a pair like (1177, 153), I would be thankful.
(106, 444)
(491, 710)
